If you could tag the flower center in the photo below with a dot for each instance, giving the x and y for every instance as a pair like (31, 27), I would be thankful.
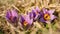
(36, 12)
(11, 17)
(46, 16)
(25, 23)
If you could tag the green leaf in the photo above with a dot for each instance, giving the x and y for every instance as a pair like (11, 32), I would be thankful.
(28, 32)
(1, 32)
(39, 31)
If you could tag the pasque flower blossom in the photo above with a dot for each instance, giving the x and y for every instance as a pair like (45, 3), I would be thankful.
(35, 13)
(46, 15)
(12, 15)
(25, 21)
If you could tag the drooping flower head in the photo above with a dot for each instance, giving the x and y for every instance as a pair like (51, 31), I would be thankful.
(12, 15)
(26, 21)
(47, 15)
(35, 12)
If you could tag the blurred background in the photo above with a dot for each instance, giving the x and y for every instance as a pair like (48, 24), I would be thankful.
(25, 5)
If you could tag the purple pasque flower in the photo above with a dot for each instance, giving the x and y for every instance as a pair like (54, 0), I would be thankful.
(12, 15)
(35, 13)
(25, 21)
(47, 15)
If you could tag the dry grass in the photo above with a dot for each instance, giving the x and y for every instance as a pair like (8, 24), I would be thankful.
(25, 5)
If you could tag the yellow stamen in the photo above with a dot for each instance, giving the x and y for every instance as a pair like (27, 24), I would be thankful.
(25, 23)
(46, 16)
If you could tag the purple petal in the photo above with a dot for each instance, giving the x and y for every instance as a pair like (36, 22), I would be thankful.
(42, 20)
(22, 19)
(30, 15)
(34, 14)
(41, 14)
(37, 9)
(44, 10)
(14, 12)
(28, 19)
(52, 17)
(8, 15)
(33, 10)
(51, 11)
(31, 21)
(36, 17)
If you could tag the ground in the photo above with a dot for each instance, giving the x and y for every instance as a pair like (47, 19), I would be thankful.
(25, 5)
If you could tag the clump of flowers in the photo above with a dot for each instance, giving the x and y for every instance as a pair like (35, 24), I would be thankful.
(27, 19)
